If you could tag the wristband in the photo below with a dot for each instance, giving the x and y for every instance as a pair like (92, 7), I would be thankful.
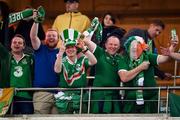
(84, 51)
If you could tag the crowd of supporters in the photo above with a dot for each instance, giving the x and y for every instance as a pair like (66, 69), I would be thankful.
(64, 55)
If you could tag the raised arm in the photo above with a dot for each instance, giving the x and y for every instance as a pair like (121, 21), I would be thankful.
(35, 41)
(58, 62)
(163, 58)
(92, 59)
(166, 52)
(175, 56)
(126, 76)
(90, 44)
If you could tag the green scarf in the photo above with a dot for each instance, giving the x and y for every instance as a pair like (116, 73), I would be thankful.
(27, 13)
(95, 28)
(139, 79)
(64, 99)
(150, 45)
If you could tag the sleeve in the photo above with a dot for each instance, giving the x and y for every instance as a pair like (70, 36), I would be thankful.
(153, 59)
(32, 68)
(40, 47)
(98, 52)
(86, 62)
(122, 65)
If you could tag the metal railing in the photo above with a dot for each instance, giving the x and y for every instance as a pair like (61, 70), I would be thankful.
(89, 89)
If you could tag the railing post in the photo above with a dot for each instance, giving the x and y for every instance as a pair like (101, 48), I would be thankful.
(81, 99)
(167, 100)
(159, 99)
(12, 105)
(89, 101)
(175, 74)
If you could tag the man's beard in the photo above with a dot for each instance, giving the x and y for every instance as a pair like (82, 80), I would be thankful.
(51, 46)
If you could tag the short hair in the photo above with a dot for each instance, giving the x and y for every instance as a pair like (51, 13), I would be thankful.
(158, 22)
(20, 36)
(112, 18)
(52, 29)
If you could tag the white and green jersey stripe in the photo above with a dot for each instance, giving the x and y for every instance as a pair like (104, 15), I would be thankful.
(74, 74)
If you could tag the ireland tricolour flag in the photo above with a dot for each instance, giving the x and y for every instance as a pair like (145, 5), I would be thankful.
(6, 96)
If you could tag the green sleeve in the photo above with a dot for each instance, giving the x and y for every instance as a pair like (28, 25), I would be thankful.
(32, 68)
(98, 52)
(122, 63)
(153, 59)
(86, 62)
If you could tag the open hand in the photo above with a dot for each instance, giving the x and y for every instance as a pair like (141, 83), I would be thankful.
(165, 51)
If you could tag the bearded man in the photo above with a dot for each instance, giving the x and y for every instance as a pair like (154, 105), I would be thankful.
(44, 75)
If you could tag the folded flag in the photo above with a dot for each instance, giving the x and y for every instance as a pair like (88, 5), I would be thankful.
(6, 96)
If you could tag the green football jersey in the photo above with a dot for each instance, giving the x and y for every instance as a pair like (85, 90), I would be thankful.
(74, 74)
(149, 80)
(106, 69)
(20, 74)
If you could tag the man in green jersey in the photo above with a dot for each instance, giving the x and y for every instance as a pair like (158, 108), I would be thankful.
(16, 71)
(106, 74)
(72, 69)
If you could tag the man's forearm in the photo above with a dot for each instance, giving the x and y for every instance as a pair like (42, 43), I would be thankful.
(34, 36)
(175, 56)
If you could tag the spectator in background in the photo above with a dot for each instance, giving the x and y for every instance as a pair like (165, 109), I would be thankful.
(149, 35)
(17, 72)
(108, 24)
(6, 31)
(44, 75)
(23, 28)
(72, 18)
(105, 101)
(72, 69)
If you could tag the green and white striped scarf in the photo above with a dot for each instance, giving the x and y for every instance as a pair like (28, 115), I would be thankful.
(27, 13)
